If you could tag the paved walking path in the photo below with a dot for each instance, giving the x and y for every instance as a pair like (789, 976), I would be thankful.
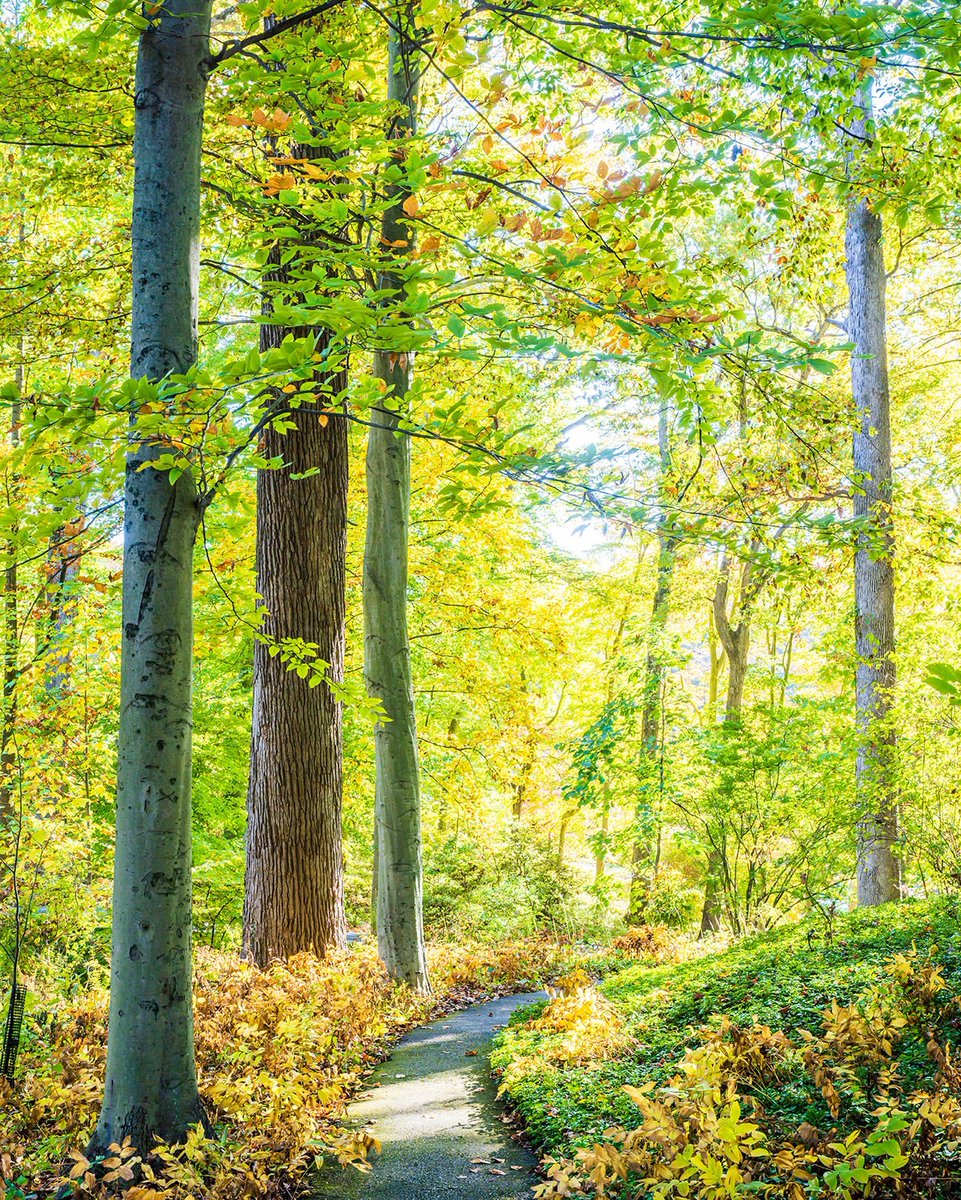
(434, 1109)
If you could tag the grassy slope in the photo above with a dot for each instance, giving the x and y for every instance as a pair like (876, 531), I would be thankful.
(774, 979)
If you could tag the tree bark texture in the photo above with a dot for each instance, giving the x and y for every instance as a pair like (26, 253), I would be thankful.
(400, 921)
(151, 1086)
(294, 884)
(878, 875)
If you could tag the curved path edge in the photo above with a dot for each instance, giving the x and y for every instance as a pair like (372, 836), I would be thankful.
(433, 1107)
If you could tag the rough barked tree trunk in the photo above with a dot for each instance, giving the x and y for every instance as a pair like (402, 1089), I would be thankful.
(651, 748)
(294, 883)
(877, 867)
(151, 1085)
(400, 921)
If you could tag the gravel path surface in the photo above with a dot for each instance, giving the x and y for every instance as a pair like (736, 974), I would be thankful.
(434, 1109)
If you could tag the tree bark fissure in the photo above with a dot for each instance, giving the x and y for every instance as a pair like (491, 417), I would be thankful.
(294, 882)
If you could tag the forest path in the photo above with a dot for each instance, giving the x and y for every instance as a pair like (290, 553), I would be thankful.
(433, 1106)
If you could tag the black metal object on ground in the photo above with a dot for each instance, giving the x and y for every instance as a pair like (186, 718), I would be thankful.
(11, 1033)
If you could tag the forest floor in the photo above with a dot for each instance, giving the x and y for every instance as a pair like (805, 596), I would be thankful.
(433, 1107)
(812, 1054)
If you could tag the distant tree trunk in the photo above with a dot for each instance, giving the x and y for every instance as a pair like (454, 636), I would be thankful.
(714, 671)
(294, 883)
(736, 639)
(400, 921)
(11, 632)
(566, 817)
(151, 1085)
(523, 780)
(710, 913)
(600, 857)
(877, 867)
(63, 562)
(651, 748)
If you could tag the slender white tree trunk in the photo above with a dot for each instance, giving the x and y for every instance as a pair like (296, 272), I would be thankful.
(877, 867)
(151, 1085)
(400, 922)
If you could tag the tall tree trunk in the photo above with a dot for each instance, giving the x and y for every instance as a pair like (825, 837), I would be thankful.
(294, 882)
(400, 920)
(151, 1085)
(651, 748)
(877, 867)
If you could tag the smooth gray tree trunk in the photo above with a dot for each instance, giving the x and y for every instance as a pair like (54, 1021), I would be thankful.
(151, 1085)
(878, 874)
(400, 921)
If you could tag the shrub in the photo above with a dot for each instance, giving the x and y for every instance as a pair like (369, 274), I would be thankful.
(279, 1053)
(825, 1049)
(707, 1134)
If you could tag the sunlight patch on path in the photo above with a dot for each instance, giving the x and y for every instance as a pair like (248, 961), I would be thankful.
(434, 1109)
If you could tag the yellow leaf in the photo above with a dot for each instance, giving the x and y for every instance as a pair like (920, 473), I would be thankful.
(411, 206)
(488, 220)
